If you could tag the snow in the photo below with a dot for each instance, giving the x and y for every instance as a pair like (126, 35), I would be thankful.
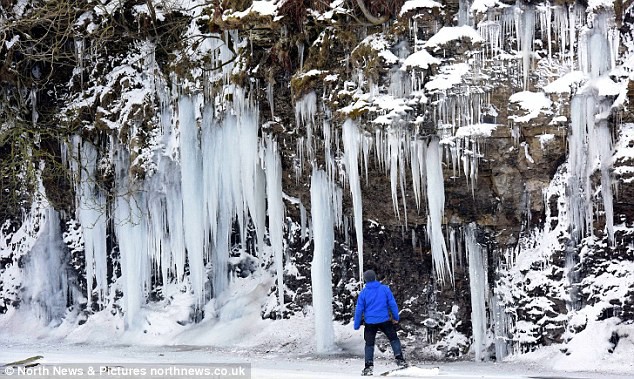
(379, 43)
(589, 351)
(281, 363)
(452, 33)
(421, 59)
(533, 102)
(603, 86)
(263, 8)
(144, 9)
(623, 153)
(9, 43)
(476, 130)
(448, 76)
(596, 5)
(482, 6)
(410, 5)
(566, 83)
(415, 372)
(545, 139)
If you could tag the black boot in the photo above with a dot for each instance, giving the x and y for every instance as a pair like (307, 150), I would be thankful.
(400, 361)
(367, 371)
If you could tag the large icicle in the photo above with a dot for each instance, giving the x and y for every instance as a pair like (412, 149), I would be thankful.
(352, 139)
(191, 172)
(321, 197)
(45, 289)
(479, 290)
(131, 233)
(527, 40)
(91, 214)
(436, 208)
(273, 168)
(590, 148)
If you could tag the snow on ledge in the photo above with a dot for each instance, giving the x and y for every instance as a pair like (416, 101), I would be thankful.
(448, 77)
(378, 43)
(482, 6)
(452, 33)
(421, 59)
(264, 8)
(595, 5)
(415, 4)
(533, 102)
(604, 86)
(565, 83)
(476, 130)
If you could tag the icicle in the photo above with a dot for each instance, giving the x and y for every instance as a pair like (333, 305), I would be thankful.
(416, 171)
(436, 209)
(91, 214)
(79, 55)
(352, 138)
(302, 217)
(323, 221)
(174, 210)
(270, 98)
(577, 164)
(157, 238)
(33, 100)
(394, 152)
(273, 168)
(501, 321)
(305, 111)
(193, 201)
(572, 276)
(464, 16)
(299, 159)
(45, 290)
(549, 26)
(131, 232)
(328, 158)
(603, 140)
(453, 248)
(402, 154)
(528, 27)
(300, 52)
(251, 187)
(572, 24)
(478, 285)
(366, 156)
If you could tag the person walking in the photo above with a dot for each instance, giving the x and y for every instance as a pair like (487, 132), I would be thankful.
(377, 308)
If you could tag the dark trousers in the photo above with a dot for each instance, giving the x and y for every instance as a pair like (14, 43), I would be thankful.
(369, 334)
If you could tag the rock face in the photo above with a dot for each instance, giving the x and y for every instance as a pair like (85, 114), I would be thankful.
(477, 131)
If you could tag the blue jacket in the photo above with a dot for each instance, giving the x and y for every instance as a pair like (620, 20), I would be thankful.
(375, 304)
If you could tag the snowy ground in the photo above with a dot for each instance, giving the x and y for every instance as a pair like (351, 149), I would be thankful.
(263, 365)
(282, 349)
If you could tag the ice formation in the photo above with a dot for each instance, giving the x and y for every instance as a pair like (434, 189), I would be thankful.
(322, 197)
(206, 190)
